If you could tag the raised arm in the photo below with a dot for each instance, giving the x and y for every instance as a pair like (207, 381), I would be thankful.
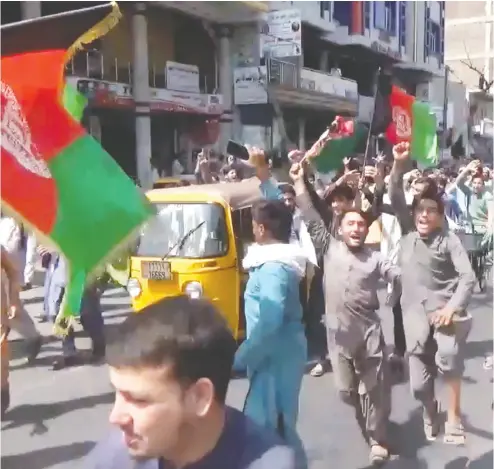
(319, 204)
(395, 191)
(461, 179)
(319, 233)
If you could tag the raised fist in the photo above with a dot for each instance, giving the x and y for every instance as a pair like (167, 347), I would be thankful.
(296, 172)
(401, 151)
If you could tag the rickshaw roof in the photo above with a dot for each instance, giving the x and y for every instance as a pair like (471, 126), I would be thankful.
(237, 195)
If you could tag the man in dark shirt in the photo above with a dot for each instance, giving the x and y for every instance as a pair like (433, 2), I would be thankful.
(170, 366)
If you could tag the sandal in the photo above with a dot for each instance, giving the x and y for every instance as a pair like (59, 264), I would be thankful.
(378, 454)
(318, 370)
(454, 434)
(488, 363)
(432, 424)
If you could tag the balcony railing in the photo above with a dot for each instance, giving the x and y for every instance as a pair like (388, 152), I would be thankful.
(95, 65)
(328, 83)
(282, 73)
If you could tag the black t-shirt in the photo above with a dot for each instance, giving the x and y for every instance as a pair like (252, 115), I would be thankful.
(242, 445)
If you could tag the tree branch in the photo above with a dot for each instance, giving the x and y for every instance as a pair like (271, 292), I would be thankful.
(484, 85)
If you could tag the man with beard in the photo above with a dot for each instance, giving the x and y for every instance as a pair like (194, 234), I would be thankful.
(352, 273)
(170, 367)
(437, 284)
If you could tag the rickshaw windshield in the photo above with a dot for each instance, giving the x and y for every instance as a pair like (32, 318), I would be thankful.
(189, 230)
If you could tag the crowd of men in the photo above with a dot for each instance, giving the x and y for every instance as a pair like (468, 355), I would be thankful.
(171, 365)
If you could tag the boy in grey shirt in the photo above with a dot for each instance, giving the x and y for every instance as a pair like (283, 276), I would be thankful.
(437, 283)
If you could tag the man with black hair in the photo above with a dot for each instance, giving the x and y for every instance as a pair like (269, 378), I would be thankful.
(352, 273)
(437, 284)
(170, 367)
(275, 348)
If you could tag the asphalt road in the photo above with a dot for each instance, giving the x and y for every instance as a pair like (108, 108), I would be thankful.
(56, 417)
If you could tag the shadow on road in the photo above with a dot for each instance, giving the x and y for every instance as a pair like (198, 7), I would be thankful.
(478, 349)
(47, 457)
(408, 438)
(486, 461)
(38, 414)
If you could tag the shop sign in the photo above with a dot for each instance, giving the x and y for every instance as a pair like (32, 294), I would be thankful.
(249, 85)
(102, 93)
(182, 77)
(328, 84)
(281, 34)
(385, 49)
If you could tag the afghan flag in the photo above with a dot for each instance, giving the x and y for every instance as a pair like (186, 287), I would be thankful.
(55, 177)
(413, 121)
(346, 136)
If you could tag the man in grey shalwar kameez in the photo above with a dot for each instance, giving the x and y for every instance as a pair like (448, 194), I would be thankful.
(352, 273)
(437, 283)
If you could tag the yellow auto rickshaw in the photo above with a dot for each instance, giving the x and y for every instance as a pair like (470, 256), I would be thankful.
(195, 246)
(169, 182)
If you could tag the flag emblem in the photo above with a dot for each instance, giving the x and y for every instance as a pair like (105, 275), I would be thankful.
(16, 135)
(403, 123)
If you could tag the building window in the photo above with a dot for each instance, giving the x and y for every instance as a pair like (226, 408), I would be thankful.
(367, 14)
(432, 43)
(324, 7)
(434, 32)
(385, 16)
(342, 12)
(403, 23)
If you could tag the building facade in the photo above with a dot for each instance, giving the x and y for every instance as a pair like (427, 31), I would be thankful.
(173, 77)
(470, 56)
(331, 65)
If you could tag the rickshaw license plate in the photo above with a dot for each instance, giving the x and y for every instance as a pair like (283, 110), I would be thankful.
(156, 270)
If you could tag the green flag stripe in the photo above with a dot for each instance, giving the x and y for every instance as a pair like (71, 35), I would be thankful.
(74, 102)
(99, 206)
(331, 157)
(424, 135)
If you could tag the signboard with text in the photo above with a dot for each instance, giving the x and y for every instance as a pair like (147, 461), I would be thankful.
(101, 93)
(281, 34)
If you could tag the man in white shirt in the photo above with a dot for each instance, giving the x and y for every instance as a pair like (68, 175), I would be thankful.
(30, 261)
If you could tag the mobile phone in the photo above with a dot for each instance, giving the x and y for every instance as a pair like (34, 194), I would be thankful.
(237, 150)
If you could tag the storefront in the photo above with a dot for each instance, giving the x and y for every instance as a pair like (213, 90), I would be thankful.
(181, 121)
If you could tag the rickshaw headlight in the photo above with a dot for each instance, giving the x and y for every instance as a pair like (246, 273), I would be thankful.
(134, 287)
(193, 290)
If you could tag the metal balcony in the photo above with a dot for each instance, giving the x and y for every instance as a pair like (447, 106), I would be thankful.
(282, 73)
(93, 64)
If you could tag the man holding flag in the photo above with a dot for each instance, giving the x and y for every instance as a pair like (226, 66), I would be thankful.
(55, 177)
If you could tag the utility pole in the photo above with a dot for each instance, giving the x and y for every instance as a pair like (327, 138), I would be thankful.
(445, 112)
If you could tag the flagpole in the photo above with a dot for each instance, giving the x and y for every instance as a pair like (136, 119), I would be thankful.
(369, 135)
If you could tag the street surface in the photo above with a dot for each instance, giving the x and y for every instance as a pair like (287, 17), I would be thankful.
(56, 417)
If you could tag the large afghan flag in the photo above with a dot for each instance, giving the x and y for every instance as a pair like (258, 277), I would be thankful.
(55, 177)
(412, 121)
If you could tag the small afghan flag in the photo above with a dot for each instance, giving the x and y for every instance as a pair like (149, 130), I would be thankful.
(347, 135)
(55, 177)
(413, 121)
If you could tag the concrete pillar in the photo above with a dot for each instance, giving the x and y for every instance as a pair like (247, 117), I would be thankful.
(142, 95)
(30, 9)
(224, 34)
(301, 133)
(324, 61)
